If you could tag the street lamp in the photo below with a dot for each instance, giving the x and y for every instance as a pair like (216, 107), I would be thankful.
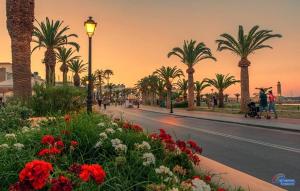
(90, 26)
(171, 106)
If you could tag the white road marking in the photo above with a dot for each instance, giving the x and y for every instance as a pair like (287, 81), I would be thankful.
(286, 148)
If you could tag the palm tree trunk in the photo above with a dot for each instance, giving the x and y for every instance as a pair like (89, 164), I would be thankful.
(76, 80)
(184, 96)
(198, 99)
(50, 61)
(168, 105)
(245, 95)
(221, 99)
(64, 69)
(20, 17)
(190, 72)
(100, 86)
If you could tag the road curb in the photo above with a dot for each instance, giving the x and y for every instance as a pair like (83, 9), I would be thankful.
(226, 121)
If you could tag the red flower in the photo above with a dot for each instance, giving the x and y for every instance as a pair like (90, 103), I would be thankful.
(207, 178)
(61, 184)
(126, 126)
(51, 151)
(196, 177)
(67, 118)
(59, 144)
(74, 143)
(75, 168)
(180, 144)
(221, 189)
(162, 131)
(154, 136)
(37, 173)
(95, 171)
(21, 186)
(48, 139)
(137, 128)
(192, 143)
(195, 158)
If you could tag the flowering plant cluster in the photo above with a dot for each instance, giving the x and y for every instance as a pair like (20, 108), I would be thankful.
(190, 147)
(69, 152)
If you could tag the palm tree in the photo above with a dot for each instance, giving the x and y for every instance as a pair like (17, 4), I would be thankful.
(237, 95)
(110, 88)
(190, 55)
(100, 75)
(65, 56)
(199, 87)
(167, 75)
(160, 91)
(107, 74)
(77, 67)
(221, 83)
(243, 46)
(226, 97)
(183, 87)
(20, 17)
(51, 35)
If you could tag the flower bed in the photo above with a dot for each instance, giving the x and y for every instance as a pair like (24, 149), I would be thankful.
(95, 153)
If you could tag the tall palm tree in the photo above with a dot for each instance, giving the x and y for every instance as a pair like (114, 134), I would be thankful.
(168, 74)
(20, 17)
(107, 74)
(199, 87)
(160, 91)
(183, 87)
(77, 67)
(51, 35)
(243, 46)
(221, 83)
(65, 56)
(237, 95)
(100, 75)
(191, 53)
(110, 88)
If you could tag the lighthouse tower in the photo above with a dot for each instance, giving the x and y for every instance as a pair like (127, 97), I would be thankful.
(279, 95)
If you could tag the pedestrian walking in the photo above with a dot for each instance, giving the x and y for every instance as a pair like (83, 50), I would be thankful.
(263, 103)
(272, 104)
(99, 100)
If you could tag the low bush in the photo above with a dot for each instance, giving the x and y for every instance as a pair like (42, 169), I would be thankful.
(13, 117)
(182, 104)
(49, 100)
(92, 152)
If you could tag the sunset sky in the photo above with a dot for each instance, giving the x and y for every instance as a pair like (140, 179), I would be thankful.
(133, 37)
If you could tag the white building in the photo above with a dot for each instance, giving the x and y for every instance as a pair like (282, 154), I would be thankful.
(6, 79)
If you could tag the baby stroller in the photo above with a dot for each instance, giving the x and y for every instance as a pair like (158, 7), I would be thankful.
(252, 110)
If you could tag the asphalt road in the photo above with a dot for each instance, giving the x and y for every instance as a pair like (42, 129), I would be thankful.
(257, 151)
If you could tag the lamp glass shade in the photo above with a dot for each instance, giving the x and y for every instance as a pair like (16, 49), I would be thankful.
(90, 26)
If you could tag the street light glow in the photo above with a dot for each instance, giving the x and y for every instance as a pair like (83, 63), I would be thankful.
(90, 26)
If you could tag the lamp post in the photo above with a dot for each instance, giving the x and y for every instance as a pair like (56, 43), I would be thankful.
(90, 26)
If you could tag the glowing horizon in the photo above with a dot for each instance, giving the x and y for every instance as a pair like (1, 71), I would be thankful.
(133, 39)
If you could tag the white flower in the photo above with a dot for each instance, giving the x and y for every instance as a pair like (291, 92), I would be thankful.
(173, 189)
(25, 129)
(144, 146)
(110, 131)
(121, 148)
(115, 142)
(19, 146)
(98, 144)
(200, 185)
(103, 136)
(120, 129)
(114, 124)
(163, 170)
(4, 146)
(148, 159)
(101, 124)
(12, 135)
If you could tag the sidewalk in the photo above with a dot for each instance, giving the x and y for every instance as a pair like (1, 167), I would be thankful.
(281, 123)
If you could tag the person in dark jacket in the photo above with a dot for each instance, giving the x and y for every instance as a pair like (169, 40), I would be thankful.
(263, 102)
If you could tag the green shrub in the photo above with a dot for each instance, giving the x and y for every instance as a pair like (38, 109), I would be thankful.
(182, 104)
(13, 117)
(48, 100)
